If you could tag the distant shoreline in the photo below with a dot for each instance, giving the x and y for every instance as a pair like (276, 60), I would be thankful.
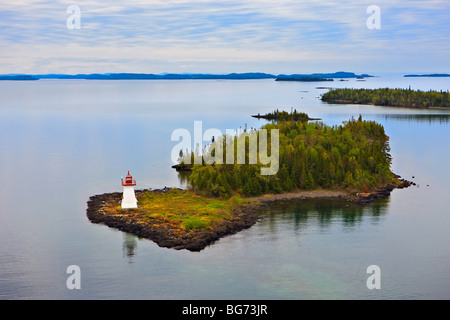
(432, 75)
(303, 79)
(177, 76)
(18, 78)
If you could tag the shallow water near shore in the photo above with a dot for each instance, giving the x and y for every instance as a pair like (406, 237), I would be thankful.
(64, 141)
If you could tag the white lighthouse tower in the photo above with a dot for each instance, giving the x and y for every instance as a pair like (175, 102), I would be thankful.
(129, 200)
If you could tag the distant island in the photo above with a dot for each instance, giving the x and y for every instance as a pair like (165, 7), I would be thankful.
(284, 115)
(390, 97)
(325, 76)
(435, 75)
(143, 76)
(304, 79)
(17, 78)
(187, 76)
(168, 76)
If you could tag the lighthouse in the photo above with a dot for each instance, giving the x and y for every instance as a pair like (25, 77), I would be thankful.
(129, 200)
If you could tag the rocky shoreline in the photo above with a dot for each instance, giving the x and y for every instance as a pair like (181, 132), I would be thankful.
(380, 193)
(164, 235)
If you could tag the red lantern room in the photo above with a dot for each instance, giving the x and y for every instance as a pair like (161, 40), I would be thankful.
(129, 181)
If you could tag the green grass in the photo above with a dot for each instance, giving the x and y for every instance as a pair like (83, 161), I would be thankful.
(185, 209)
(192, 222)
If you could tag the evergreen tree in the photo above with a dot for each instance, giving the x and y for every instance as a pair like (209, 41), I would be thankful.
(355, 155)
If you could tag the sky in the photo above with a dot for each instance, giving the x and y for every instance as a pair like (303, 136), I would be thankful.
(224, 36)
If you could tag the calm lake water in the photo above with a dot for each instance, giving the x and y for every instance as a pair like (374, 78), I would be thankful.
(62, 141)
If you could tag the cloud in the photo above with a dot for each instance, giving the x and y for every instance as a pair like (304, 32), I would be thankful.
(219, 35)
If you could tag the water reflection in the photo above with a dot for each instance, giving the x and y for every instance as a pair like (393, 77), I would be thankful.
(129, 246)
(183, 177)
(430, 118)
(301, 214)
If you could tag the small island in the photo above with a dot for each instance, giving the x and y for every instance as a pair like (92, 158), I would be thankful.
(432, 75)
(303, 79)
(390, 97)
(350, 161)
(174, 218)
(284, 115)
(17, 78)
(334, 75)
